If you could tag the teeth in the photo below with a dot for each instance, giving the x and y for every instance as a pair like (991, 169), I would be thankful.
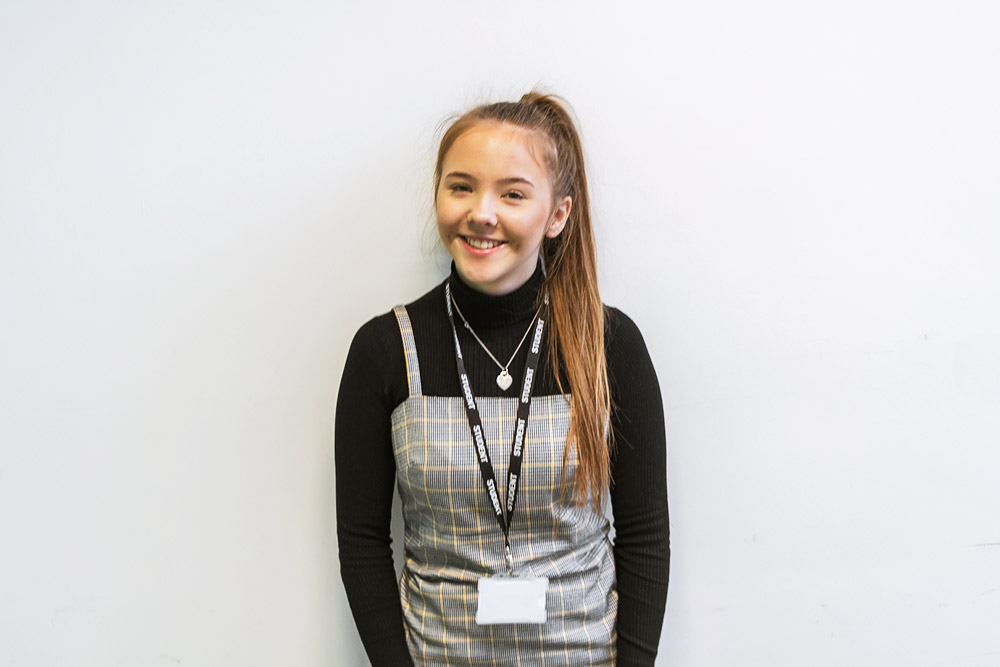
(482, 245)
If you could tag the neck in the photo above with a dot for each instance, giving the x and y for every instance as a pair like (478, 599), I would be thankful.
(485, 311)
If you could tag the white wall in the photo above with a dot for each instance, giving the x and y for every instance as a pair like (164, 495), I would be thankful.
(201, 201)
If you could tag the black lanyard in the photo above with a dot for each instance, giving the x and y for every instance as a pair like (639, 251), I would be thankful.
(520, 427)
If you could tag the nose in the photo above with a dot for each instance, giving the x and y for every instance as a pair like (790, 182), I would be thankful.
(483, 211)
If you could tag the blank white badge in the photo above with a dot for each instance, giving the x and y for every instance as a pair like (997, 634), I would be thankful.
(505, 599)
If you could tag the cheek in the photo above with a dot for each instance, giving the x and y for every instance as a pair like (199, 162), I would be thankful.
(441, 215)
(447, 226)
(535, 225)
(443, 229)
(446, 211)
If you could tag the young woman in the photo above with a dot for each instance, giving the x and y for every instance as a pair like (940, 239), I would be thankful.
(510, 406)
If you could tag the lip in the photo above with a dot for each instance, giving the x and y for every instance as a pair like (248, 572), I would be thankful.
(481, 252)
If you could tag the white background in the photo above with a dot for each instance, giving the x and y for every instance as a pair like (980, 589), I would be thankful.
(200, 202)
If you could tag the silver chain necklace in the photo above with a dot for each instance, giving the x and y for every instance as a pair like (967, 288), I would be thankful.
(504, 379)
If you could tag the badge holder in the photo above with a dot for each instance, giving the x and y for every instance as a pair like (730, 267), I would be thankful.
(506, 598)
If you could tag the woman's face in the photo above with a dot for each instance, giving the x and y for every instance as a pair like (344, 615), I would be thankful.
(494, 206)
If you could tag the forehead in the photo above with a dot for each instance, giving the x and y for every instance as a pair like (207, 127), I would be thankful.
(490, 147)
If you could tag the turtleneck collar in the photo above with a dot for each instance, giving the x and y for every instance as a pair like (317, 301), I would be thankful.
(487, 311)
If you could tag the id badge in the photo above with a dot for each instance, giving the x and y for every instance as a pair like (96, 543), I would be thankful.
(506, 599)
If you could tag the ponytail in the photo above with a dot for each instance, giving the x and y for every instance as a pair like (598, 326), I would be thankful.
(576, 313)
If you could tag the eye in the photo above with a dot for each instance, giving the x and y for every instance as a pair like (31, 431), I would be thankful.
(514, 194)
(459, 187)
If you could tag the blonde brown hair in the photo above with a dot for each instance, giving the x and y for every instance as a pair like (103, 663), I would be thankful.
(576, 321)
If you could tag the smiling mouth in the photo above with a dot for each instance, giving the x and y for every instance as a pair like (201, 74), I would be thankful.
(482, 244)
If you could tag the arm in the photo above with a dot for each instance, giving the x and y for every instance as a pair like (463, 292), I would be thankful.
(638, 492)
(366, 472)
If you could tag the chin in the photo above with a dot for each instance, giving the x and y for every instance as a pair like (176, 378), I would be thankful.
(473, 277)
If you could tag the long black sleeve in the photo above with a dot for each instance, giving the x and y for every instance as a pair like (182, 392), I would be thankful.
(638, 492)
(366, 473)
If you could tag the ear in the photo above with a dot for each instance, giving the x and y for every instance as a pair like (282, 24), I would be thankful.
(560, 216)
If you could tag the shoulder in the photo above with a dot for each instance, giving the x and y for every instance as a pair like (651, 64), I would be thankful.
(621, 333)
(371, 348)
(381, 335)
(630, 369)
(377, 360)
(431, 301)
(374, 368)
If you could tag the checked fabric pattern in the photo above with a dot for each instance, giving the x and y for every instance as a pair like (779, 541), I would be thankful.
(452, 538)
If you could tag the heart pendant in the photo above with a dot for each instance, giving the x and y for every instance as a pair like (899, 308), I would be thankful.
(504, 380)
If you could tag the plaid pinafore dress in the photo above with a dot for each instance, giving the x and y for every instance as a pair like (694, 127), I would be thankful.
(452, 538)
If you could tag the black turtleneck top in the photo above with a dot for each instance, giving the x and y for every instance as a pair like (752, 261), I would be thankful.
(374, 383)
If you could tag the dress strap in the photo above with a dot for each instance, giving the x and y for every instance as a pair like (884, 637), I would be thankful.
(409, 349)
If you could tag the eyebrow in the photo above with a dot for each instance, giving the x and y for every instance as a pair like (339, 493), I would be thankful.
(503, 181)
